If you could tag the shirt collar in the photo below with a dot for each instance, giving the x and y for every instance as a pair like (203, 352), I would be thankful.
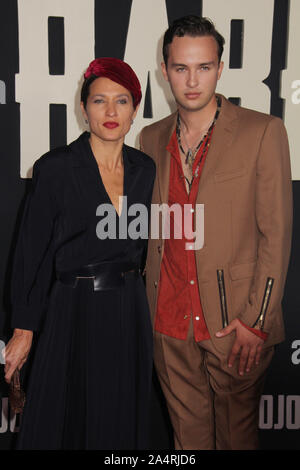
(172, 146)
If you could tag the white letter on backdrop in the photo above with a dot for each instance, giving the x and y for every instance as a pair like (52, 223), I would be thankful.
(148, 22)
(35, 88)
(258, 24)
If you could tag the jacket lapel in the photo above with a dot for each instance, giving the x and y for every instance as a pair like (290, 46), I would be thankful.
(88, 177)
(163, 161)
(86, 171)
(132, 174)
(222, 138)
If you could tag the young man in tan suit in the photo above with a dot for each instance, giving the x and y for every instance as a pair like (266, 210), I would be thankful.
(216, 311)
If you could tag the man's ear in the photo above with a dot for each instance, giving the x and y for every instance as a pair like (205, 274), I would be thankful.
(221, 66)
(164, 71)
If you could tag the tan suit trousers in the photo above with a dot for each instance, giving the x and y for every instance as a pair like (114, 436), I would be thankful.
(210, 405)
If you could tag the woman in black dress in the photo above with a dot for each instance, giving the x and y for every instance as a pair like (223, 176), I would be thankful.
(77, 282)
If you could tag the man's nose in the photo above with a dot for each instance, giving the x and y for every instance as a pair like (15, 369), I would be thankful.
(192, 79)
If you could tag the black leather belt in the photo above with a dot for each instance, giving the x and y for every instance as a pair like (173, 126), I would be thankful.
(105, 276)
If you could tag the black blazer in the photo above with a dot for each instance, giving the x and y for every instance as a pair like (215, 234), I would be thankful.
(58, 230)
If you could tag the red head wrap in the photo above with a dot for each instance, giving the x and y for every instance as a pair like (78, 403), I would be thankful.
(117, 71)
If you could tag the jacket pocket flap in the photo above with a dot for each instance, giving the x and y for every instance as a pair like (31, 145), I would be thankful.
(219, 177)
(242, 271)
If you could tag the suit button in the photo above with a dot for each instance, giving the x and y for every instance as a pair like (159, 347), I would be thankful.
(155, 283)
(197, 318)
(159, 249)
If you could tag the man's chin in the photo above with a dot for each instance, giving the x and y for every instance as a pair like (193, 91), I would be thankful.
(191, 107)
(194, 106)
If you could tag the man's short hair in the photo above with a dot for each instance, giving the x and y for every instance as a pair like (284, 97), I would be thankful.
(194, 26)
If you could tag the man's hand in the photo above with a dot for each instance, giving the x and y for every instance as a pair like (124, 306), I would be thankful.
(246, 343)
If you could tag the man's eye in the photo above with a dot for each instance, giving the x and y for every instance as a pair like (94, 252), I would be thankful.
(180, 69)
(204, 67)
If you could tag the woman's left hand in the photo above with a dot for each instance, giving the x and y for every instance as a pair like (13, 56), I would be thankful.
(16, 352)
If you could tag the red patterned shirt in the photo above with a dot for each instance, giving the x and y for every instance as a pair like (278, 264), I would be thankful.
(178, 296)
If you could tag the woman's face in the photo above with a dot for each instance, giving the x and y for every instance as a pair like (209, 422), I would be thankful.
(109, 110)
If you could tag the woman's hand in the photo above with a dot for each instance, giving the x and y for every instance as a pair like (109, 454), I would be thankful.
(16, 352)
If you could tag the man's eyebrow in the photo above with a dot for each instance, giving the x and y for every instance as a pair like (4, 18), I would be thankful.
(175, 64)
(208, 63)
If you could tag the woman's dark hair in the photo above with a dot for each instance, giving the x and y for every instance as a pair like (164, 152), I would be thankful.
(192, 26)
(85, 89)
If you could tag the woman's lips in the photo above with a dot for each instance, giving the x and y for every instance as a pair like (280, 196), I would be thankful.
(110, 124)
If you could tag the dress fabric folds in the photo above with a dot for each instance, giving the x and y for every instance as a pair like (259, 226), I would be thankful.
(90, 381)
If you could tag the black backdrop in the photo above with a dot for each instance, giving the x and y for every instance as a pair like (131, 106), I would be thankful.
(280, 405)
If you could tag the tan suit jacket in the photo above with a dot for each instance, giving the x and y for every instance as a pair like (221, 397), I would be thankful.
(246, 190)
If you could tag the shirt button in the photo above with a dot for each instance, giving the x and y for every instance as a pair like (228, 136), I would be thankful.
(192, 282)
(192, 211)
(197, 318)
(185, 317)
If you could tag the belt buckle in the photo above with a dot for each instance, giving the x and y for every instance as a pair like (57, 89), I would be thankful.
(77, 278)
(85, 277)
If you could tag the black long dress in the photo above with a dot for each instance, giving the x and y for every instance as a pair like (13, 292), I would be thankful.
(90, 381)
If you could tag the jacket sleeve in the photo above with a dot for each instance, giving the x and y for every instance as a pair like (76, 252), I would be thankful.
(274, 223)
(33, 260)
(141, 141)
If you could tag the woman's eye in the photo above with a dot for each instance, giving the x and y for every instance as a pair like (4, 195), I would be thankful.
(122, 101)
(98, 100)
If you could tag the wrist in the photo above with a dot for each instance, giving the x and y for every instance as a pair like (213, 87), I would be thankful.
(20, 332)
(257, 331)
